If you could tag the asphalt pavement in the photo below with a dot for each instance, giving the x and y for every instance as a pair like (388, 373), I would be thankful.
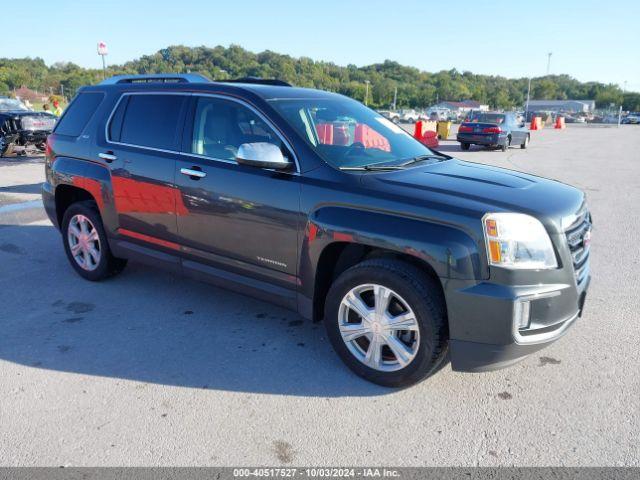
(154, 369)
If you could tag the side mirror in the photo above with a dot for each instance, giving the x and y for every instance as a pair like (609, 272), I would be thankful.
(262, 155)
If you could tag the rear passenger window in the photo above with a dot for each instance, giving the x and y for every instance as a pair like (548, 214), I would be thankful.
(150, 121)
(79, 113)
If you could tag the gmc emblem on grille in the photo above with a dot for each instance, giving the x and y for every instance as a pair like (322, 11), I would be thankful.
(586, 238)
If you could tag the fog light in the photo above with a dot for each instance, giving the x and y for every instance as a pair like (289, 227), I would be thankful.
(521, 313)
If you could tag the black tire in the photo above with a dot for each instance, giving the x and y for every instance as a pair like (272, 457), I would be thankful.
(465, 146)
(108, 264)
(396, 120)
(5, 148)
(506, 144)
(411, 120)
(422, 294)
(525, 144)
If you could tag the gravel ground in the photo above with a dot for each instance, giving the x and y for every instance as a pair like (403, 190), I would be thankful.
(153, 369)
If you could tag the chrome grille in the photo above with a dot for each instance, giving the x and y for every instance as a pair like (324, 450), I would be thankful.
(578, 239)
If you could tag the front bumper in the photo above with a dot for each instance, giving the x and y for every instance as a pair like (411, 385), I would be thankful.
(35, 137)
(484, 317)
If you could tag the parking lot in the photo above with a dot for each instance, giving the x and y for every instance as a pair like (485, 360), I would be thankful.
(154, 369)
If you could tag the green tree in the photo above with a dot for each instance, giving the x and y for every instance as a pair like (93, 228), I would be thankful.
(415, 88)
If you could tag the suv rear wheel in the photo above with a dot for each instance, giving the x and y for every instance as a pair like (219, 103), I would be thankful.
(386, 319)
(86, 243)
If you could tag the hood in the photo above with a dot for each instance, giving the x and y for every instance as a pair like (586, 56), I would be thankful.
(26, 113)
(481, 189)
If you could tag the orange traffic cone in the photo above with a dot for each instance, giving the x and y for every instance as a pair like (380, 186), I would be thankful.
(559, 123)
(534, 123)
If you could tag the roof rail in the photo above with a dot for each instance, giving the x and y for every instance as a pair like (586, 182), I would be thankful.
(157, 78)
(258, 80)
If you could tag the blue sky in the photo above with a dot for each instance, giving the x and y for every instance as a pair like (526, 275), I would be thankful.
(590, 40)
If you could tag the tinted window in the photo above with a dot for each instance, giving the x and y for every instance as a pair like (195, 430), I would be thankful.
(497, 118)
(221, 126)
(78, 114)
(152, 121)
(8, 104)
(115, 127)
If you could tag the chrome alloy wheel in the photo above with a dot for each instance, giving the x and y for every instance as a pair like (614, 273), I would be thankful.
(84, 242)
(379, 327)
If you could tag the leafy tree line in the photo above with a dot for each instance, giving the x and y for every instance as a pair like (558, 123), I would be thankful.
(415, 88)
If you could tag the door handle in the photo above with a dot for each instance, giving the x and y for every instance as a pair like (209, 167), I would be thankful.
(193, 172)
(108, 157)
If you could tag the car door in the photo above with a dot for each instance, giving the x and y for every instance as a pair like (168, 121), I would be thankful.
(518, 133)
(142, 142)
(237, 217)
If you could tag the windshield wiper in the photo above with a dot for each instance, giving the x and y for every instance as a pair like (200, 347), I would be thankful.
(422, 158)
(374, 168)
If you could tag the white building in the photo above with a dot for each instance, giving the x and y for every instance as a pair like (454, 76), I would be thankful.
(569, 106)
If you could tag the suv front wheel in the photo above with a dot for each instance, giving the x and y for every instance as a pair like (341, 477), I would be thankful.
(86, 244)
(386, 319)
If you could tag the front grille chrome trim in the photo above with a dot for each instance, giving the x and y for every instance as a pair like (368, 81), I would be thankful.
(575, 236)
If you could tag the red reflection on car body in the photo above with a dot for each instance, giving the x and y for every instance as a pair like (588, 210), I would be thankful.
(143, 197)
(149, 238)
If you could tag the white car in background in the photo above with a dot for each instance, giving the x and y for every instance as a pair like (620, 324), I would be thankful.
(439, 114)
(390, 115)
(404, 116)
(411, 116)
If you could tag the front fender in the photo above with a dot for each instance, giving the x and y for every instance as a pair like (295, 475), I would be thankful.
(451, 252)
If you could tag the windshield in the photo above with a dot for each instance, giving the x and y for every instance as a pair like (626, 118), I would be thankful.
(11, 104)
(487, 118)
(345, 133)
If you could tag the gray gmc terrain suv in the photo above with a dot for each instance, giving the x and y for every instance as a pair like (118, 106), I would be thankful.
(312, 201)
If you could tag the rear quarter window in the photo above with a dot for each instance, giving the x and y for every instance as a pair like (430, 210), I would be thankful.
(79, 113)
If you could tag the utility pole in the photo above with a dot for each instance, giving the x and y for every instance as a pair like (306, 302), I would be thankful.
(526, 108)
(549, 62)
(366, 94)
(395, 97)
(619, 116)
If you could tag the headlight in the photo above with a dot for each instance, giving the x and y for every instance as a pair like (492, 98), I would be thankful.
(517, 241)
